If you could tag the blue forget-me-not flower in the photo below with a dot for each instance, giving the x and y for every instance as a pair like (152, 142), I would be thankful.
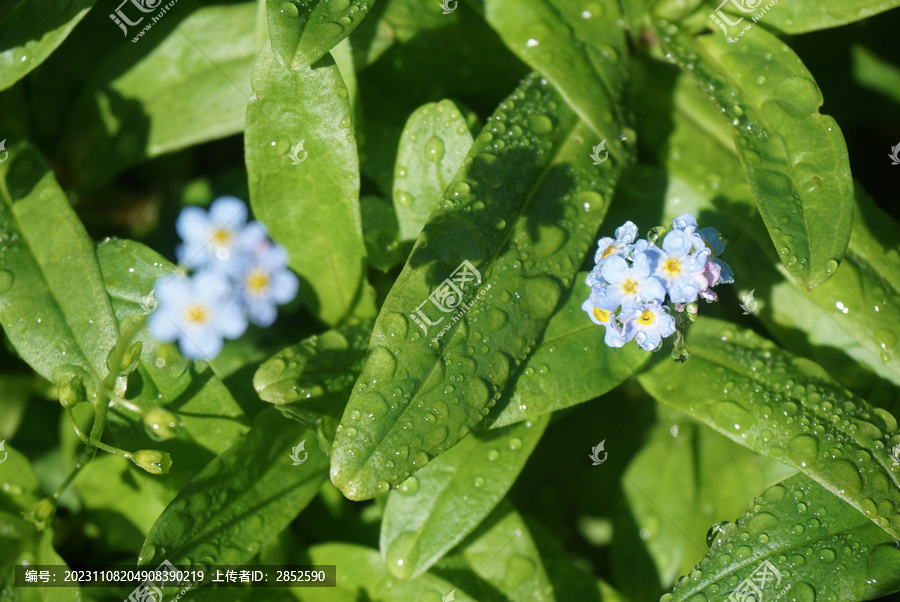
(240, 274)
(642, 292)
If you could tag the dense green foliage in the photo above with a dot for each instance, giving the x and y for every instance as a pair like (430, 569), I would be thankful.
(434, 414)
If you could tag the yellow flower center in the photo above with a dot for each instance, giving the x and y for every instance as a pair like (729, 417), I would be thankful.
(257, 281)
(221, 237)
(609, 251)
(601, 314)
(646, 318)
(672, 267)
(711, 252)
(629, 286)
(195, 313)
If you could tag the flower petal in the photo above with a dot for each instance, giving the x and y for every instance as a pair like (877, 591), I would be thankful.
(228, 211)
(614, 269)
(192, 224)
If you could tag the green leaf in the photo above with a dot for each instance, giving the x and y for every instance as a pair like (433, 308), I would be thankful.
(39, 550)
(682, 467)
(795, 158)
(571, 365)
(312, 209)
(382, 234)
(434, 143)
(369, 578)
(53, 305)
(304, 32)
(30, 32)
(503, 558)
(190, 88)
(582, 56)
(870, 71)
(821, 547)
(795, 17)
(434, 510)
(523, 214)
(315, 376)
(787, 408)
(703, 176)
(210, 415)
(240, 500)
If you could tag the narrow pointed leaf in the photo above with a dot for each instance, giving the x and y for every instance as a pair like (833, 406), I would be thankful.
(820, 547)
(788, 409)
(311, 208)
(435, 510)
(571, 365)
(522, 215)
(53, 305)
(711, 184)
(795, 158)
(797, 17)
(31, 31)
(433, 145)
(303, 32)
(315, 376)
(146, 100)
(504, 559)
(240, 500)
(579, 50)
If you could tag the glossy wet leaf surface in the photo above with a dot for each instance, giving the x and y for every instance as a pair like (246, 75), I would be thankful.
(787, 408)
(240, 500)
(795, 158)
(308, 195)
(435, 141)
(522, 214)
(58, 328)
(435, 509)
(800, 541)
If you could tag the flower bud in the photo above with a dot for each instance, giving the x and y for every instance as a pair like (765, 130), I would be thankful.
(160, 423)
(70, 390)
(153, 461)
(129, 359)
(41, 513)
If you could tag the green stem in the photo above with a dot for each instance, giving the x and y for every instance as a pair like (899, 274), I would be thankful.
(101, 405)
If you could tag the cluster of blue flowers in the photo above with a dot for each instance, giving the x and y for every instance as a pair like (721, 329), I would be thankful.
(239, 274)
(632, 280)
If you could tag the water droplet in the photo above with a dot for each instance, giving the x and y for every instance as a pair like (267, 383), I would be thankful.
(404, 198)
(410, 486)
(803, 449)
(402, 555)
(434, 149)
(479, 481)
